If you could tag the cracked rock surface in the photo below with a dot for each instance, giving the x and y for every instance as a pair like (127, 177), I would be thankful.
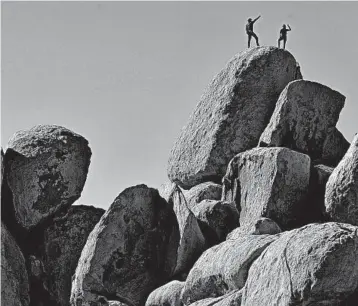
(231, 115)
(341, 198)
(45, 171)
(313, 265)
(131, 251)
(268, 182)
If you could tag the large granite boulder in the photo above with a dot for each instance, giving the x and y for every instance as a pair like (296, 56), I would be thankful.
(341, 198)
(334, 148)
(56, 252)
(313, 265)
(131, 251)
(201, 192)
(14, 278)
(223, 268)
(45, 171)
(192, 241)
(216, 219)
(268, 182)
(231, 115)
(262, 226)
(305, 115)
(167, 295)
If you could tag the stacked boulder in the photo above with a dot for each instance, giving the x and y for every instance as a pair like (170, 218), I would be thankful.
(262, 207)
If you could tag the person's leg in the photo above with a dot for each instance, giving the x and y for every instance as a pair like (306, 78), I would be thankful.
(249, 40)
(284, 43)
(256, 38)
(278, 42)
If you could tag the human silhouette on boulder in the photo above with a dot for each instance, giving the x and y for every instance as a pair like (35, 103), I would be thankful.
(250, 31)
(283, 35)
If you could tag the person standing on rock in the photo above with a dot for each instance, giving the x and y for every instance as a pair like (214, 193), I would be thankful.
(250, 31)
(283, 35)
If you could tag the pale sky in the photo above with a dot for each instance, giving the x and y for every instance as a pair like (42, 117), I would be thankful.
(127, 75)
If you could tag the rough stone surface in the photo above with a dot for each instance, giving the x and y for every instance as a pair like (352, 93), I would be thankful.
(268, 182)
(201, 192)
(305, 114)
(231, 115)
(334, 148)
(45, 170)
(313, 265)
(216, 219)
(232, 298)
(167, 295)
(57, 255)
(223, 268)
(341, 198)
(14, 279)
(192, 242)
(130, 252)
(262, 226)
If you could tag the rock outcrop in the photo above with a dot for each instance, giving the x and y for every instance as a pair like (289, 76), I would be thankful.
(14, 279)
(56, 254)
(313, 265)
(216, 219)
(192, 241)
(45, 171)
(341, 198)
(169, 294)
(305, 115)
(201, 192)
(334, 148)
(231, 115)
(268, 182)
(223, 268)
(131, 251)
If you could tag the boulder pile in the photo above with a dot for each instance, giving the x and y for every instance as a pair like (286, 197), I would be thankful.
(261, 207)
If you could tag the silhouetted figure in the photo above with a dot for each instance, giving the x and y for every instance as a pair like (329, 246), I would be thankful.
(283, 35)
(250, 31)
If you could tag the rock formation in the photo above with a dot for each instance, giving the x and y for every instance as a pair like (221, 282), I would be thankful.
(45, 171)
(231, 115)
(313, 265)
(341, 197)
(268, 182)
(192, 241)
(262, 226)
(14, 280)
(169, 294)
(131, 251)
(201, 192)
(306, 112)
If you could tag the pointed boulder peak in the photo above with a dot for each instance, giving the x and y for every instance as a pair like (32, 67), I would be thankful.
(231, 115)
(341, 198)
(192, 242)
(314, 265)
(334, 148)
(45, 170)
(131, 251)
(14, 278)
(254, 181)
(306, 114)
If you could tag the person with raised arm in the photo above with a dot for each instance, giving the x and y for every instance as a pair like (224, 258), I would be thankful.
(283, 35)
(250, 31)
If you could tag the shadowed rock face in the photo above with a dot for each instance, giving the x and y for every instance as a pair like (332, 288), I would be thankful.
(334, 148)
(313, 265)
(341, 198)
(130, 252)
(231, 115)
(14, 279)
(45, 171)
(232, 298)
(268, 182)
(54, 259)
(305, 115)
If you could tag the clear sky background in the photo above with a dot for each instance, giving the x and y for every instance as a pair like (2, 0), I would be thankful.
(127, 75)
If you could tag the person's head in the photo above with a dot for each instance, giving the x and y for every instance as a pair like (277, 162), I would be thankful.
(249, 20)
(284, 26)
